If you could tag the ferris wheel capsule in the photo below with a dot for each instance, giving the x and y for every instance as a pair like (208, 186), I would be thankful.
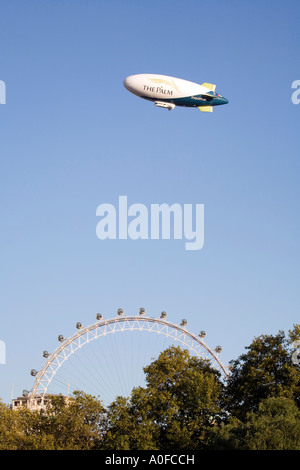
(98, 316)
(120, 311)
(61, 338)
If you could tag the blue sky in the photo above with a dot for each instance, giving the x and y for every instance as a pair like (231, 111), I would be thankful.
(72, 138)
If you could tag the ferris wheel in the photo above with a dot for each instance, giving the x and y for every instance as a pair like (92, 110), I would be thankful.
(102, 365)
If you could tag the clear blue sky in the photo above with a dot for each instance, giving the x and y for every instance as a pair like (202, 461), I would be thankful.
(72, 137)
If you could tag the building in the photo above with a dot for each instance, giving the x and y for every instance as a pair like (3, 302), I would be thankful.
(33, 403)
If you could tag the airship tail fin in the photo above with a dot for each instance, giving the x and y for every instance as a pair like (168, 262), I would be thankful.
(206, 109)
(210, 86)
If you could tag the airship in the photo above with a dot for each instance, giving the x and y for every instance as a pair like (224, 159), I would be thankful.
(168, 92)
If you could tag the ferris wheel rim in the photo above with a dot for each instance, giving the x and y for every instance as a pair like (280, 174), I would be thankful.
(82, 331)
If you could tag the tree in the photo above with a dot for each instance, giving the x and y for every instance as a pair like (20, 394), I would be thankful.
(181, 398)
(294, 334)
(274, 426)
(77, 424)
(21, 430)
(128, 427)
(266, 370)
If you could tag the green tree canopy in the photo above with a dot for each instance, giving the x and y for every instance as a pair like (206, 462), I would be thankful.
(180, 400)
(74, 425)
(182, 397)
(128, 427)
(275, 426)
(265, 370)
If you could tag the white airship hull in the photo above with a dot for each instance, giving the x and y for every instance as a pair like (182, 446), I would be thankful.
(169, 92)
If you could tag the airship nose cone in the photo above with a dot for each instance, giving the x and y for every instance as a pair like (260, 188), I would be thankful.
(128, 83)
(132, 84)
(125, 82)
